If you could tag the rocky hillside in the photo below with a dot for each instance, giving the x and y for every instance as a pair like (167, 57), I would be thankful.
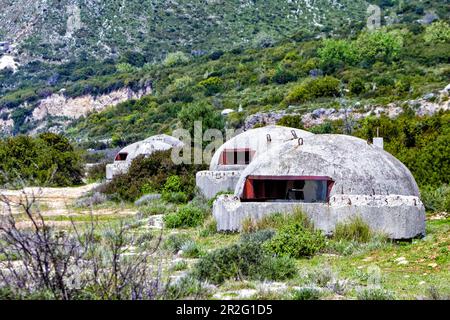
(58, 30)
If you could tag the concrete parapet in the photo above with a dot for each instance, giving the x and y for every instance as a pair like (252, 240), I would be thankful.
(399, 217)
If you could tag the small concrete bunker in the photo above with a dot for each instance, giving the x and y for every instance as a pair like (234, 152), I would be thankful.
(146, 147)
(332, 178)
(237, 153)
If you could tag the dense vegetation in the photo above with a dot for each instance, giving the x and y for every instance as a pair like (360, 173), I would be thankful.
(391, 64)
(153, 174)
(48, 159)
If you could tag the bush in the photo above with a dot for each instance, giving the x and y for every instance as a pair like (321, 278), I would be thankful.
(335, 54)
(175, 242)
(175, 59)
(438, 32)
(292, 121)
(149, 174)
(156, 207)
(97, 172)
(283, 76)
(257, 237)
(312, 89)
(187, 216)
(89, 201)
(175, 197)
(211, 85)
(277, 221)
(243, 261)
(436, 199)
(354, 230)
(49, 159)
(306, 293)
(374, 294)
(357, 86)
(191, 250)
(187, 286)
(211, 119)
(296, 241)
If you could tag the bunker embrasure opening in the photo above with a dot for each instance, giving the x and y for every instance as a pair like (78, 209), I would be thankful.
(308, 189)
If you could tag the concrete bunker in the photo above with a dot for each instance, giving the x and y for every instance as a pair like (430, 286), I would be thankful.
(287, 189)
(146, 147)
(332, 178)
(237, 153)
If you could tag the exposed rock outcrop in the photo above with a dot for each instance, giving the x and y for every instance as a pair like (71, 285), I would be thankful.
(428, 105)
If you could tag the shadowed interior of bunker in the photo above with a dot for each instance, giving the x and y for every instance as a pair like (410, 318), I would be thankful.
(310, 189)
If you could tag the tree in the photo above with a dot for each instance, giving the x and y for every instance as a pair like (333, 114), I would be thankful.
(210, 118)
(335, 54)
(438, 32)
(48, 159)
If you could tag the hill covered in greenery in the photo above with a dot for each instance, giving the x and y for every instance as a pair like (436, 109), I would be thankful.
(393, 64)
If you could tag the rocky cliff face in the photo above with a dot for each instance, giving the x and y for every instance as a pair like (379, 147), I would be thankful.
(55, 112)
(428, 105)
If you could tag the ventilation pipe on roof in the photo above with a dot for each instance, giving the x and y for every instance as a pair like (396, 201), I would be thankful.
(378, 142)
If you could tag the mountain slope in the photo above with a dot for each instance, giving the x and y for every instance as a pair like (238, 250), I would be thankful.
(57, 30)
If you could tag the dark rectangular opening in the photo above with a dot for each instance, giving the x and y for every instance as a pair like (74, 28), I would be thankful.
(121, 156)
(308, 189)
(236, 156)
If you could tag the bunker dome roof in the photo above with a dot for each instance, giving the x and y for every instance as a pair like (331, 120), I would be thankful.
(160, 142)
(356, 167)
(259, 140)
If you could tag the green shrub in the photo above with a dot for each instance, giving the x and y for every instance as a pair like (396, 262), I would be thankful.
(156, 207)
(187, 216)
(209, 228)
(257, 237)
(175, 59)
(354, 230)
(296, 241)
(211, 119)
(173, 184)
(97, 172)
(292, 121)
(48, 159)
(436, 199)
(242, 261)
(211, 85)
(306, 293)
(277, 268)
(283, 76)
(277, 221)
(335, 54)
(179, 266)
(187, 287)
(312, 89)
(357, 86)
(175, 197)
(438, 32)
(191, 249)
(175, 241)
(149, 174)
(375, 294)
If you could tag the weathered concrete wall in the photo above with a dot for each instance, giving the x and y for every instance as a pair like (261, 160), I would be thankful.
(400, 217)
(212, 182)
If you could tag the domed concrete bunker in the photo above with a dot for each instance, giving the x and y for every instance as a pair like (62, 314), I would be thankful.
(237, 153)
(332, 178)
(125, 157)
